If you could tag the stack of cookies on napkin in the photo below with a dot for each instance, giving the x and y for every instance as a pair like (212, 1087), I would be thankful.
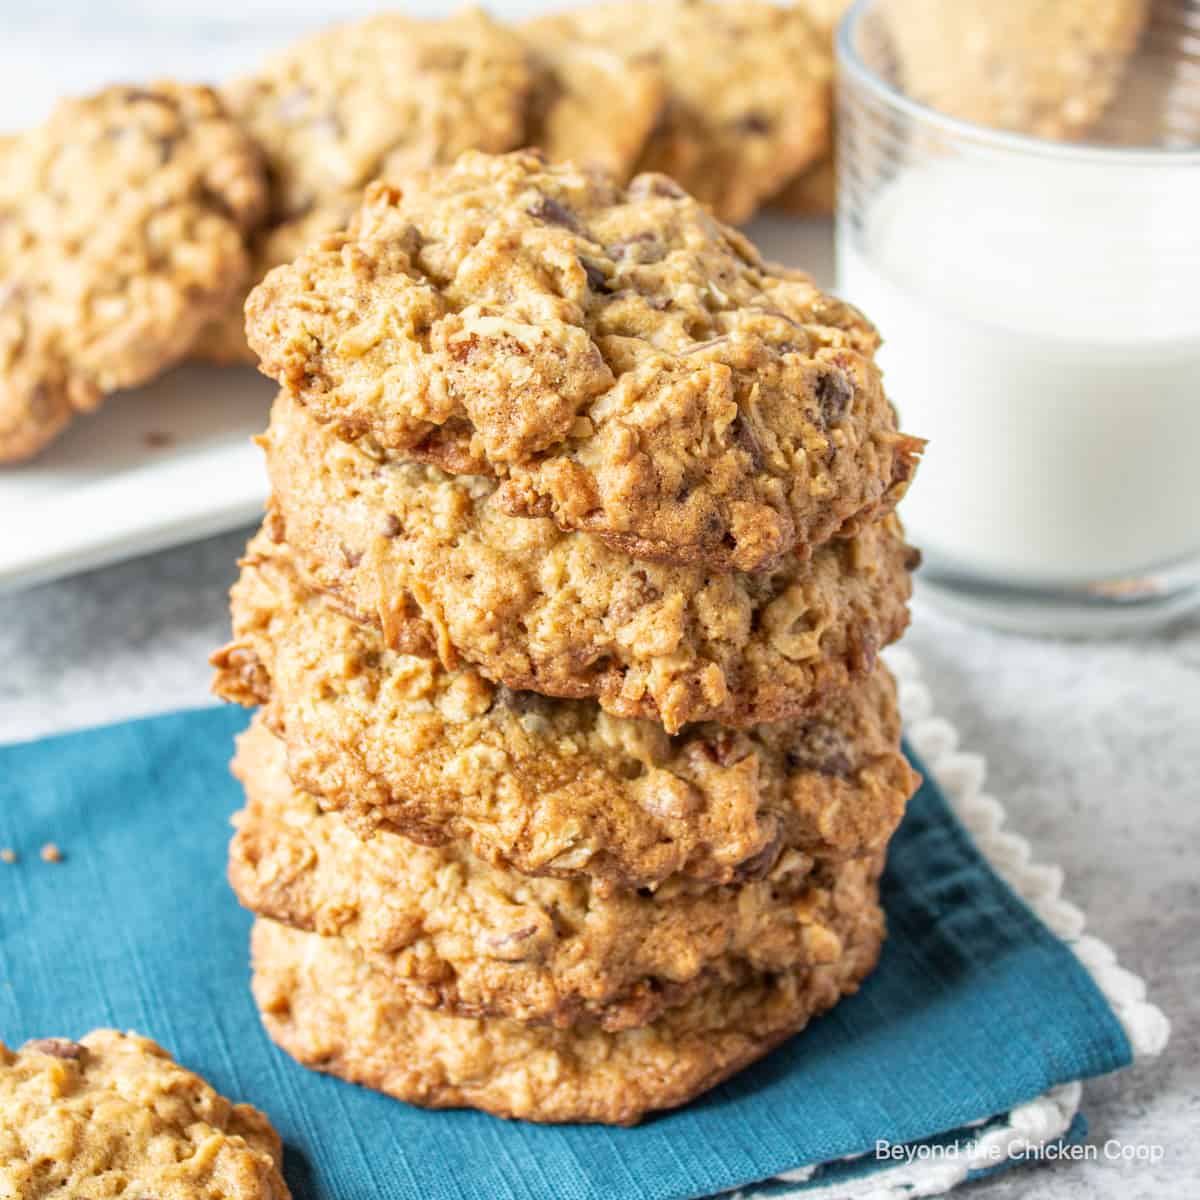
(576, 765)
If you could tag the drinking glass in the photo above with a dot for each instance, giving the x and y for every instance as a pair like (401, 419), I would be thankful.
(1019, 214)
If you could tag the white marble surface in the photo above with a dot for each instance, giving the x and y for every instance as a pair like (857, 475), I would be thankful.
(1095, 748)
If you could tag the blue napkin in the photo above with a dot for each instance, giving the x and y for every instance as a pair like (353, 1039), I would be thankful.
(975, 1007)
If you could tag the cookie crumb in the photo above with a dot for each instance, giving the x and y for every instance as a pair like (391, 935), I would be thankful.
(8, 855)
(51, 853)
(157, 440)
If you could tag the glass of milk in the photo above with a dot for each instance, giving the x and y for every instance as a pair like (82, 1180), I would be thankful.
(1036, 281)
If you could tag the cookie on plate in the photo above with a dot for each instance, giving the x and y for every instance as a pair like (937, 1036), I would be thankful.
(379, 96)
(459, 934)
(1042, 67)
(114, 1115)
(123, 221)
(746, 105)
(624, 363)
(590, 103)
(325, 1005)
(441, 568)
(553, 787)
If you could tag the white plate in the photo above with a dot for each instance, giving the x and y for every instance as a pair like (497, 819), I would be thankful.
(173, 461)
(163, 464)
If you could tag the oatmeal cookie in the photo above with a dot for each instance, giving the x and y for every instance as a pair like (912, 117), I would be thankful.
(438, 564)
(746, 105)
(1042, 67)
(380, 96)
(114, 1115)
(626, 365)
(122, 231)
(466, 937)
(329, 1009)
(590, 104)
(552, 787)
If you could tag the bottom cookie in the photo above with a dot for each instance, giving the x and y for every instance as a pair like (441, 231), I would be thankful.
(114, 1115)
(328, 1009)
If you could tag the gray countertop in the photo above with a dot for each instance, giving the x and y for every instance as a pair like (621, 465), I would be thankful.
(1093, 747)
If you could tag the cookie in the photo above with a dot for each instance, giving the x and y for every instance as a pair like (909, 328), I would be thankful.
(223, 341)
(552, 787)
(382, 96)
(438, 564)
(590, 104)
(621, 361)
(459, 934)
(114, 1115)
(746, 90)
(324, 1005)
(122, 228)
(1042, 67)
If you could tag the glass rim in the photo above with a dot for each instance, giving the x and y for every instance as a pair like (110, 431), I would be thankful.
(851, 63)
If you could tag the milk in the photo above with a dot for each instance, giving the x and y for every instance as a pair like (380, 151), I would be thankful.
(1041, 325)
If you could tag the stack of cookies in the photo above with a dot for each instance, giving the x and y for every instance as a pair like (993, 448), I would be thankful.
(576, 765)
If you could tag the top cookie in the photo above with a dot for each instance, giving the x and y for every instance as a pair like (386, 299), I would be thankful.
(383, 95)
(625, 363)
(115, 1115)
(122, 225)
(746, 106)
